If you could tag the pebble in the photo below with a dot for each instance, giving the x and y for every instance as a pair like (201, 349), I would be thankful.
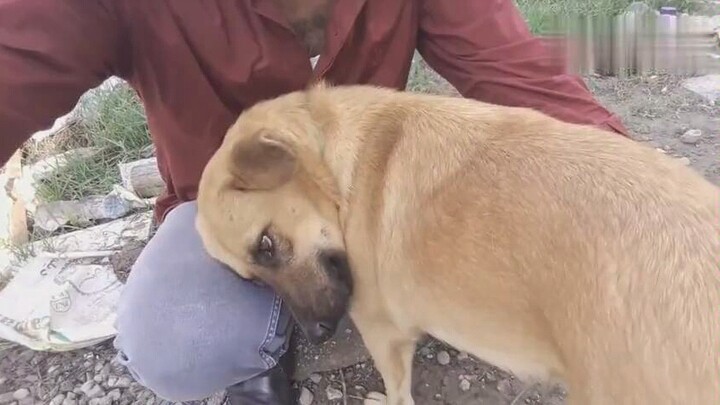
(98, 378)
(462, 356)
(85, 387)
(6, 398)
(685, 160)
(123, 382)
(69, 401)
(58, 399)
(2, 380)
(306, 397)
(464, 385)
(92, 390)
(20, 394)
(114, 395)
(443, 358)
(315, 378)
(375, 398)
(333, 393)
(112, 381)
(504, 387)
(66, 386)
(105, 371)
(70, 395)
(691, 136)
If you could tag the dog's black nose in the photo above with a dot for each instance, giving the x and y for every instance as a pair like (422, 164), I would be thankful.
(321, 331)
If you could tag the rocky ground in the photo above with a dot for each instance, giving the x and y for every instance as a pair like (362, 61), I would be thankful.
(657, 109)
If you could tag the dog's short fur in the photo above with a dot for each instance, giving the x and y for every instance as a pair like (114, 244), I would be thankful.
(547, 248)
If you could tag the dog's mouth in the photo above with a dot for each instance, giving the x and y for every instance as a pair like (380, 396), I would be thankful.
(319, 332)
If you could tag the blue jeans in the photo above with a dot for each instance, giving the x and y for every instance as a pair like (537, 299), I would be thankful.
(187, 326)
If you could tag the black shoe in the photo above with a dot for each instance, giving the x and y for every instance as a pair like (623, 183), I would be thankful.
(272, 387)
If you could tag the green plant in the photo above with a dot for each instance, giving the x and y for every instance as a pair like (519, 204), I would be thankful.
(114, 123)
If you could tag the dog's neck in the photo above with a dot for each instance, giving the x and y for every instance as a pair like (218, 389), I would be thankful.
(341, 138)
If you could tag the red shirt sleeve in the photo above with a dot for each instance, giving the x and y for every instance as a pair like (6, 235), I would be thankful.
(486, 50)
(51, 52)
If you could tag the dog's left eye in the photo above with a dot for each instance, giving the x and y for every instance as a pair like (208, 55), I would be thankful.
(265, 250)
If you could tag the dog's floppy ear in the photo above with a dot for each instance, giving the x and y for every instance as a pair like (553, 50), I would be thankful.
(263, 161)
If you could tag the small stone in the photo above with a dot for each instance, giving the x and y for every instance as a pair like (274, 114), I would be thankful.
(375, 398)
(86, 387)
(685, 160)
(112, 381)
(6, 398)
(443, 358)
(105, 371)
(58, 399)
(333, 393)
(490, 377)
(31, 378)
(462, 356)
(691, 137)
(70, 395)
(315, 378)
(425, 351)
(92, 390)
(2, 380)
(98, 378)
(66, 386)
(306, 397)
(20, 394)
(504, 387)
(114, 395)
(123, 382)
(464, 385)
(69, 401)
(53, 369)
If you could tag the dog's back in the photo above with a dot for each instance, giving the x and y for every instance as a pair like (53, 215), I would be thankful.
(548, 247)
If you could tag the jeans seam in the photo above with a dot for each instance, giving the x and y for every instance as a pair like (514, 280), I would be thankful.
(271, 331)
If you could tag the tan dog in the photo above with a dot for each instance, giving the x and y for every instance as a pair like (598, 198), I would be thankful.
(547, 248)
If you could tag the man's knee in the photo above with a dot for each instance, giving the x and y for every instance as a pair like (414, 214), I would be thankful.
(187, 326)
(184, 367)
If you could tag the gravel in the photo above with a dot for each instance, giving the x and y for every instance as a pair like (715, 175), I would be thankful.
(443, 358)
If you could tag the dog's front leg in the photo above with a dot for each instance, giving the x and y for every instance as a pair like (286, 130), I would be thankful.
(392, 350)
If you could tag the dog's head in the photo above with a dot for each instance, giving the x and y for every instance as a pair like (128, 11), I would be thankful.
(268, 207)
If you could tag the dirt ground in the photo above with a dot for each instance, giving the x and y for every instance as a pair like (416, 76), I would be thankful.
(658, 111)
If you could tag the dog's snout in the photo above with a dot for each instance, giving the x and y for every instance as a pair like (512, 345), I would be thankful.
(322, 331)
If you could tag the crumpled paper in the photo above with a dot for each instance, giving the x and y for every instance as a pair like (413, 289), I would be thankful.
(62, 293)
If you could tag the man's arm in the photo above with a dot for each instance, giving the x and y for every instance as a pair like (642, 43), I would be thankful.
(485, 50)
(51, 52)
